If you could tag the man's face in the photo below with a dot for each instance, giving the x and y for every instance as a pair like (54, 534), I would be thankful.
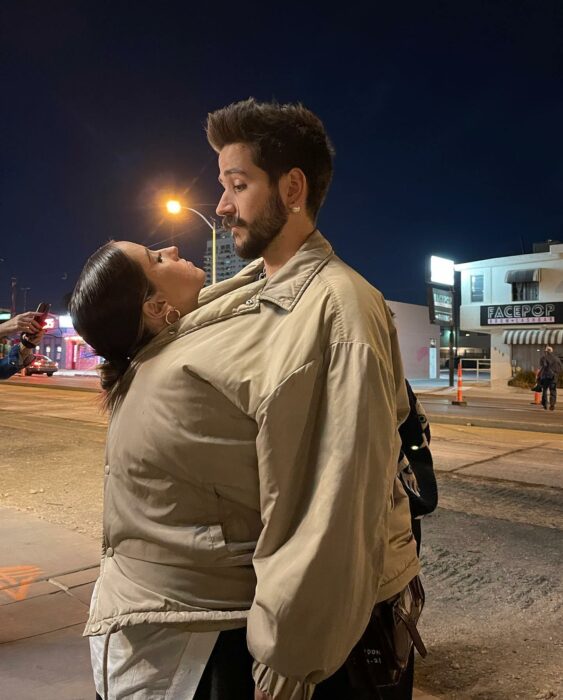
(251, 208)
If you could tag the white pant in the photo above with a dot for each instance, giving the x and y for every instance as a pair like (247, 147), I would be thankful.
(151, 662)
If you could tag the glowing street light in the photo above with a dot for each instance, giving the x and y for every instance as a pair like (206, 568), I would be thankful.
(174, 207)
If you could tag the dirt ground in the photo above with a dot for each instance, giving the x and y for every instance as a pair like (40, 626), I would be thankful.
(492, 553)
(493, 620)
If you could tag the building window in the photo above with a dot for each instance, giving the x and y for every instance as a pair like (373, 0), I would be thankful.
(477, 287)
(525, 291)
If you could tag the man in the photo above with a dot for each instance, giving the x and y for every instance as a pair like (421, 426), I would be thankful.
(312, 357)
(549, 371)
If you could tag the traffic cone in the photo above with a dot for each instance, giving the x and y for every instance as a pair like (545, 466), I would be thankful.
(537, 398)
(459, 400)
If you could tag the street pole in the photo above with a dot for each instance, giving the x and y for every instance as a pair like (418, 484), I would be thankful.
(14, 292)
(213, 253)
(174, 207)
(451, 360)
(453, 334)
(25, 290)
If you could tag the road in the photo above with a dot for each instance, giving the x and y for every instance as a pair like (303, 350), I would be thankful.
(491, 552)
(56, 381)
(512, 412)
(515, 413)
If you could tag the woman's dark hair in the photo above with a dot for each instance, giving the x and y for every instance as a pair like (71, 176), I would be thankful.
(281, 137)
(107, 311)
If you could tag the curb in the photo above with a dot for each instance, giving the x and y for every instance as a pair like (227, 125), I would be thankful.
(59, 387)
(494, 423)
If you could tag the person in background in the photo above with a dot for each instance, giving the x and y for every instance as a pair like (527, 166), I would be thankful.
(549, 371)
(19, 355)
(5, 346)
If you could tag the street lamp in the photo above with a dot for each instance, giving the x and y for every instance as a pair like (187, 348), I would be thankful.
(25, 290)
(442, 302)
(174, 207)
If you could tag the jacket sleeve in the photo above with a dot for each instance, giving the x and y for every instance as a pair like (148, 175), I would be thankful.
(13, 363)
(327, 446)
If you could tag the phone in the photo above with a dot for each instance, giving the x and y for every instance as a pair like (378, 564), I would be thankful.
(42, 309)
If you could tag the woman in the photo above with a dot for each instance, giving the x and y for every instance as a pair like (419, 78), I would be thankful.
(182, 513)
(169, 609)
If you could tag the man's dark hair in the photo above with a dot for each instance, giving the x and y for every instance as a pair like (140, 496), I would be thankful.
(281, 137)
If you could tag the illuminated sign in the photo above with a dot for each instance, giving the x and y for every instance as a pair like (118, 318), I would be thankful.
(441, 271)
(527, 313)
(441, 306)
(51, 323)
(65, 322)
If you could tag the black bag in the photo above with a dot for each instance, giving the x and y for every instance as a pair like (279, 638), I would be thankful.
(416, 458)
(537, 388)
(382, 654)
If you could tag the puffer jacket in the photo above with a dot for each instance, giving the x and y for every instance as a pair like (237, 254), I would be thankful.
(251, 471)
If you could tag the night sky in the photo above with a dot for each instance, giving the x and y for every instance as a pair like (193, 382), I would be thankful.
(447, 119)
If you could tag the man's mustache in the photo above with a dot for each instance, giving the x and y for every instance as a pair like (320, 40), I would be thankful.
(229, 222)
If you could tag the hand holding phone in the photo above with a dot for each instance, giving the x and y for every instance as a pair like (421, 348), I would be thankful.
(43, 311)
(41, 315)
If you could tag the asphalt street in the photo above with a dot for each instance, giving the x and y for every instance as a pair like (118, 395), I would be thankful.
(485, 407)
(514, 412)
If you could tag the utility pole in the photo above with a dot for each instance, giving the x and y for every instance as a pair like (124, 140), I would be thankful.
(25, 290)
(14, 293)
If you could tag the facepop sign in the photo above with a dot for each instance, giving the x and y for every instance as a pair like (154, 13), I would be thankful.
(525, 313)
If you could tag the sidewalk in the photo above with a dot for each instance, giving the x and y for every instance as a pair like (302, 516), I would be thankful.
(46, 580)
(47, 575)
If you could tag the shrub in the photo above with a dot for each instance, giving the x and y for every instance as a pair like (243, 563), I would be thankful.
(523, 379)
(527, 379)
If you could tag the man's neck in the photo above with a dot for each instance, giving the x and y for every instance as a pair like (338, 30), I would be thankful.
(284, 246)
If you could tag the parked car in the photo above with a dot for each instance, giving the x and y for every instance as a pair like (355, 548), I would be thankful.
(41, 365)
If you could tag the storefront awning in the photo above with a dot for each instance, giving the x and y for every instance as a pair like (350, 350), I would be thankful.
(513, 276)
(550, 336)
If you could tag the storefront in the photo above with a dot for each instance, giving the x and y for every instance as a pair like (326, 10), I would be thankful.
(527, 346)
(518, 300)
(62, 344)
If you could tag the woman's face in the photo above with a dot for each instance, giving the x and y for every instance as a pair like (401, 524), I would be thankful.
(176, 280)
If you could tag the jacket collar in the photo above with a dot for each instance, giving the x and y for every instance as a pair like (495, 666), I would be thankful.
(287, 285)
(244, 292)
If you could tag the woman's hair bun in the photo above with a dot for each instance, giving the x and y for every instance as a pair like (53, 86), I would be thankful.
(111, 372)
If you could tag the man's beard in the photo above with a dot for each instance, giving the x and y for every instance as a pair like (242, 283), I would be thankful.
(262, 231)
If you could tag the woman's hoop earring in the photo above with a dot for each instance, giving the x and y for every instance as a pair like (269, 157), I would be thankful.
(168, 321)
(295, 210)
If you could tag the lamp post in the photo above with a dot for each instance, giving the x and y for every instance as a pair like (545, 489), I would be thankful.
(174, 207)
(14, 292)
(441, 298)
(25, 290)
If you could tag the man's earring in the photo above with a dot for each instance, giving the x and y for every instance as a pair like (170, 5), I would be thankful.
(295, 210)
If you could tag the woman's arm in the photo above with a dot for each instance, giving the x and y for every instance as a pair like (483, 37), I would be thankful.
(22, 323)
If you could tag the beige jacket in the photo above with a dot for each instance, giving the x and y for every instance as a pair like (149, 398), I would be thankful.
(251, 471)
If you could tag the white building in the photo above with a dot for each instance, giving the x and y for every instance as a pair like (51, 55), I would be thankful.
(228, 262)
(519, 301)
(419, 340)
